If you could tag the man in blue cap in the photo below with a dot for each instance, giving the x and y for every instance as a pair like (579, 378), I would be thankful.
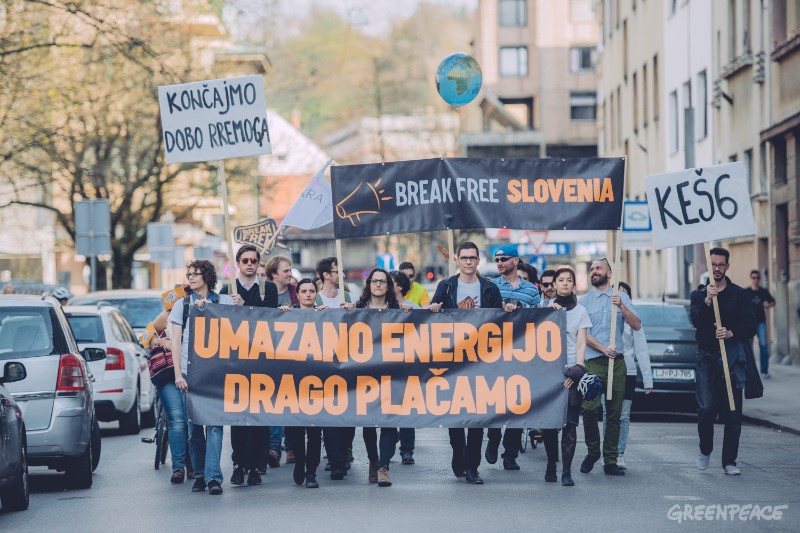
(516, 293)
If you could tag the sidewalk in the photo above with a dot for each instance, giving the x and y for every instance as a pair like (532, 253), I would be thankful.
(779, 407)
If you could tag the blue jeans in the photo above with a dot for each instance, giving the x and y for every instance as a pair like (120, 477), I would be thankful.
(624, 425)
(407, 438)
(381, 453)
(275, 438)
(206, 451)
(172, 399)
(763, 346)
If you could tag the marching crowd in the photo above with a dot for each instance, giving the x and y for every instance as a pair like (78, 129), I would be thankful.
(591, 344)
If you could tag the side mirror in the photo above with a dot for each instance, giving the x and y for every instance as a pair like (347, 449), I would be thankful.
(13, 372)
(94, 354)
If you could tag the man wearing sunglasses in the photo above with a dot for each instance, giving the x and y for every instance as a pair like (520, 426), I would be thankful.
(249, 442)
(466, 290)
(516, 293)
(548, 286)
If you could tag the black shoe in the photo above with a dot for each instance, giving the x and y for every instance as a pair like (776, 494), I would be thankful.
(550, 474)
(457, 463)
(238, 476)
(262, 470)
(407, 460)
(566, 479)
(337, 474)
(510, 463)
(254, 478)
(311, 481)
(214, 488)
(177, 476)
(491, 454)
(473, 477)
(346, 467)
(588, 464)
(299, 473)
(613, 470)
(199, 484)
(273, 459)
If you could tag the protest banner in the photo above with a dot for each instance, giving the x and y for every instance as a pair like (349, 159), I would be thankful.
(701, 205)
(446, 194)
(214, 119)
(482, 368)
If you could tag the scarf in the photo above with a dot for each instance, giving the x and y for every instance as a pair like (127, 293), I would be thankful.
(567, 302)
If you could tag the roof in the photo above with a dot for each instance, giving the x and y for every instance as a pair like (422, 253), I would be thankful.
(27, 300)
(120, 293)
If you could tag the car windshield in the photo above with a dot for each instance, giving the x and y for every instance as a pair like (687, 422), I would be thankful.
(664, 316)
(138, 311)
(87, 328)
(28, 332)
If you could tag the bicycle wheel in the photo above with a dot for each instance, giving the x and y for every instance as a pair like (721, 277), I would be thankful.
(164, 445)
(524, 444)
(161, 433)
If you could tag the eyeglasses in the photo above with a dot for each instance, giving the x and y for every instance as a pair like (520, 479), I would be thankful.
(546, 284)
(248, 261)
(468, 258)
(720, 266)
(378, 281)
(605, 259)
(190, 275)
(755, 277)
(502, 259)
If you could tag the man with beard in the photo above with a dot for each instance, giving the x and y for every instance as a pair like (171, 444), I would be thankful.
(516, 292)
(547, 282)
(599, 304)
(737, 328)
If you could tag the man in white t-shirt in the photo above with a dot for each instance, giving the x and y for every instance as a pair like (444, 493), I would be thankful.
(329, 295)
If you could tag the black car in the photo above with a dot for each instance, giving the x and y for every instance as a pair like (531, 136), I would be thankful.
(673, 349)
(13, 445)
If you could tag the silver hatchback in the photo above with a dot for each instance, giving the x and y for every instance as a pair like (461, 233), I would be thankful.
(56, 396)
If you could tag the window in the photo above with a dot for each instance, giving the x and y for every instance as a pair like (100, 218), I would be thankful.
(583, 105)
(762, 175)
(656, 102)
(520, 108)
(731, 30)
(779, 21)
(748, 163)
(610, 119)
(635, 104)
(625, 49)
(701, 122)
(746, 27)
(780, 166)
(513, 13)
(514, 61)
(673, 122)
(644, 95)
(582, 58)
(619, 116)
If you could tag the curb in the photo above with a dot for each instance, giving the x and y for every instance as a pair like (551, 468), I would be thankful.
(769, 424)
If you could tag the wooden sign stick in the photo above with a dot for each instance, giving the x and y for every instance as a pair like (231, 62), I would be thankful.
(228, 235)
(718, 320)
(452, 249)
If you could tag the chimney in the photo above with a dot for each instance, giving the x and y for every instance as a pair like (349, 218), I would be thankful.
(296, 118)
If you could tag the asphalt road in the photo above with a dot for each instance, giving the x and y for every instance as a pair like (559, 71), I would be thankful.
(128, 495)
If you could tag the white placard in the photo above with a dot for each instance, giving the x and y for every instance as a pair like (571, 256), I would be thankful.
(214, 119)
(700, 205)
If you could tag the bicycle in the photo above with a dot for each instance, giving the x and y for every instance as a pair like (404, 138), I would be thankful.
(160, 436)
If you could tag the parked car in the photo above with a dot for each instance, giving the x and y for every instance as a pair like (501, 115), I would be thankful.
(14, 493)
(138, 307)
(122, 391)
(55, 397)
(673, 350)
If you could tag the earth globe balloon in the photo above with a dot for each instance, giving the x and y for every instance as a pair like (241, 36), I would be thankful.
(458, 79)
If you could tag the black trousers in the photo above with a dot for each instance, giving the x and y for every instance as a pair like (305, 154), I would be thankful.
(338, 441)
(712, 399)
(469, 443)
(308, 454)
(512, 440)
(249, 443)
(388, 444)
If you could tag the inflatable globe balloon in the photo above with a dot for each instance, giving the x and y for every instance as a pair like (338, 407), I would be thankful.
(458, 79)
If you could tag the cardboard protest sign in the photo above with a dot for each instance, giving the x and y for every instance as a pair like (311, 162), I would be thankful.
(214, 119)
(147, 335)
(700, 205)
(477, 368)
(173, 295)
(262, 235)
(440, 194)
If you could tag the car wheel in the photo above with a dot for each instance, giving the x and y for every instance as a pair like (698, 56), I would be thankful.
(16, 497)
(131, 422)
(79, 471)
(96, 444)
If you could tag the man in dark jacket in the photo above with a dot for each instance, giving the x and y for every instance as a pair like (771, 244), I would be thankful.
(249, 442)
(737, 328)
(467, 290)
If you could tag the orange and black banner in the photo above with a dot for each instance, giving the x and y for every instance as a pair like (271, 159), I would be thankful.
(445, 193)
(457, 368)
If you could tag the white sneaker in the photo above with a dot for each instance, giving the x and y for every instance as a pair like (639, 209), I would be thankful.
(731, 470)
(765, 375)
(621, 462)
(703, 461)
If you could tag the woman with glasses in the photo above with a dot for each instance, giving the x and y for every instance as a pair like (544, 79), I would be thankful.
(379, 293)
(307, 456)
(204, 449)
(578, 324)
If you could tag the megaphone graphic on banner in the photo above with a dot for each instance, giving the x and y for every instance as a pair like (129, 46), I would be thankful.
(364, 200)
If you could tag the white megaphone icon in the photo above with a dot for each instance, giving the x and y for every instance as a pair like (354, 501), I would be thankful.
(364, 200)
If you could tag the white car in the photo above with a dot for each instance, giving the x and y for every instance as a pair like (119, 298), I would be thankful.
(122, 390)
